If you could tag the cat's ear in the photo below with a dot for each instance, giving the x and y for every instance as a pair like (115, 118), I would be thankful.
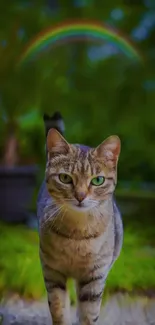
(110, 149)
(56, 142)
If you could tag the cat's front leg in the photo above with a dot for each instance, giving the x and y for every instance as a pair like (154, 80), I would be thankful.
(58, 298)
(89, 299)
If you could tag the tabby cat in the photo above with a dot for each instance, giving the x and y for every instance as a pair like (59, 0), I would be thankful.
(80, 227)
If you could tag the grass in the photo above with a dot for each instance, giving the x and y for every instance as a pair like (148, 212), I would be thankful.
(20, 269)
(135, 268)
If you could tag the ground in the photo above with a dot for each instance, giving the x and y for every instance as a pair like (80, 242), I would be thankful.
(118, 310)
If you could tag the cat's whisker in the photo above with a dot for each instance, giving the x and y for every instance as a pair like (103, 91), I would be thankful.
(55, 219)
(61, 220)
(50, 208)
(53, 224)
(54, 214)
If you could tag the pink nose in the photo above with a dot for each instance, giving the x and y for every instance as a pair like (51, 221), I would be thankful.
(80, 196)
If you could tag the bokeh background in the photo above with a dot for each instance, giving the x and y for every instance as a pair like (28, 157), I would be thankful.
(99, 92)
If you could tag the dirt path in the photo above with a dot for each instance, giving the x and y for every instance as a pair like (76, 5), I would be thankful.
(119, 310)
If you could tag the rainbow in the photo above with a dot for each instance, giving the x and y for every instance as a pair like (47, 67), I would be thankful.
(74, 31)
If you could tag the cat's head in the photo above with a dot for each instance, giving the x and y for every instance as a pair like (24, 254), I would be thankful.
(79, 177)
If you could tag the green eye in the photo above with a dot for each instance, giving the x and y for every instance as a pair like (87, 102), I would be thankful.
(97, 181)
(65, 178)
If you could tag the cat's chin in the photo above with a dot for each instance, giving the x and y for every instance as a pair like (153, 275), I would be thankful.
(80, 208)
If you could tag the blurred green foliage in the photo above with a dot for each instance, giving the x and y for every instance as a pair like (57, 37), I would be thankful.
(97, 98)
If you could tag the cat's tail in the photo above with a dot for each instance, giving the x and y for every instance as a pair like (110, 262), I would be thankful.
(55, 121)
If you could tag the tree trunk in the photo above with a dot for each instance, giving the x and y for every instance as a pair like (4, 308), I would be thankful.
(11, 149)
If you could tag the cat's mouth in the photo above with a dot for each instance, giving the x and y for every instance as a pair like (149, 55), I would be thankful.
(75, 205)
(81, 206)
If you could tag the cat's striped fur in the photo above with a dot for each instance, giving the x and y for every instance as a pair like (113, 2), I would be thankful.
(81, 242)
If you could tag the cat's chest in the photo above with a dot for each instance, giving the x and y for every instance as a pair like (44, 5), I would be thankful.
(74, 256)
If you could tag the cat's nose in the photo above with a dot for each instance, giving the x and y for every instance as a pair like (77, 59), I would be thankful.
(80, 196)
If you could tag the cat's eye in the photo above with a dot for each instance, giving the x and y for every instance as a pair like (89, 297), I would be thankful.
(97, 181)
(65, 178)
